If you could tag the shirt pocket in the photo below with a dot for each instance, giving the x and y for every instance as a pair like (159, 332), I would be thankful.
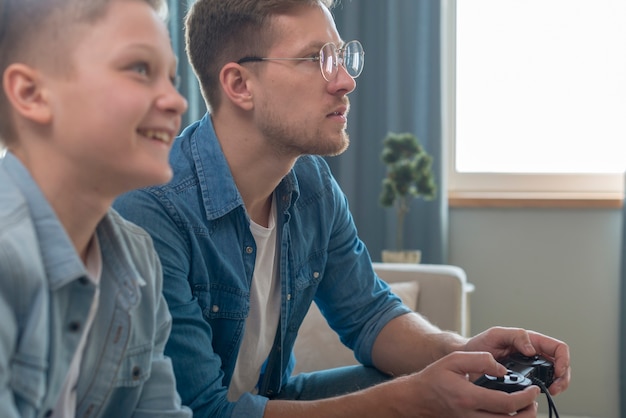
(310, 273)
(135, 367)
(225, 309)
(222, 302)
(306, 282)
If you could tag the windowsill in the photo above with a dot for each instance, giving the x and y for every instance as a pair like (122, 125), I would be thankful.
(534, 200)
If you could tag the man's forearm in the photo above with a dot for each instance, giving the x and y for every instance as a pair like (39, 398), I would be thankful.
(409, 343)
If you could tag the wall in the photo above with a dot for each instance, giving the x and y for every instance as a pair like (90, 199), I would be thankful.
(557, 272)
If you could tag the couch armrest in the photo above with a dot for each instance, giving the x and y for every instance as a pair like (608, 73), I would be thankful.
(443, 294)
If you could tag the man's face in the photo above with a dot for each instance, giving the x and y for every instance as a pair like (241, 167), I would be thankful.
(116, 114)
(297, 110)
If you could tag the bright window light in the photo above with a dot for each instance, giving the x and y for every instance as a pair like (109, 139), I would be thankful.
(540, 86)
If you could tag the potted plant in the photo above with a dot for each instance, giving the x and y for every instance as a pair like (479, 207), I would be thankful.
(409, 176)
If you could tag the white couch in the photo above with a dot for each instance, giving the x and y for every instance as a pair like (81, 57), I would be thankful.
(438, 292)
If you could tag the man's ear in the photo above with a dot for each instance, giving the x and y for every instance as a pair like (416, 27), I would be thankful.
(236, 85)
(25, 91)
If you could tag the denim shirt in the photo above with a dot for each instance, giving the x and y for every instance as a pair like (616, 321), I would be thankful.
(45, 297)
(202, 234)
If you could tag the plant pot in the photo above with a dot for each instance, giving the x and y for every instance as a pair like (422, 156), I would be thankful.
(406, 256)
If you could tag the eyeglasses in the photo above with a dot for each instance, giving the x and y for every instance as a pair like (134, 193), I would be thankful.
(351, 57)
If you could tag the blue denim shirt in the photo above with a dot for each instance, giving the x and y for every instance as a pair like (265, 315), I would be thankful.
(45, 298)
(201, 232)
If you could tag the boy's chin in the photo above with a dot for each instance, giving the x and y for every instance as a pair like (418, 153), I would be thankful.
(163, 178)
(152, 179)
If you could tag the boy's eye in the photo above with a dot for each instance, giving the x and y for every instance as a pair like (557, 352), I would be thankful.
(141, 68)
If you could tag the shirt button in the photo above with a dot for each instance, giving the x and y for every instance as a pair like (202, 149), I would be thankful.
(74, 326)
(83, 280)
(136, 372)
(289, 296)
(215, 308)
(316, 274)
(249, 250)
(48, 413)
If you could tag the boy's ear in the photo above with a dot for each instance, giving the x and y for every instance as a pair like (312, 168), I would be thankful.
(26, 93)
(235, 82)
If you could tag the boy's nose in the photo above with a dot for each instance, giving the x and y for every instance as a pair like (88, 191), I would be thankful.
(175, 102)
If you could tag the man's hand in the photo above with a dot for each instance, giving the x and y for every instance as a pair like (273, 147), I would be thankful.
(444, 389)
(501, 342)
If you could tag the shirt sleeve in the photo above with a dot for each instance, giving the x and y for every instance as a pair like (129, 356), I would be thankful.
(8, 331)
(22, 296)
(159, 396)
(356, 303)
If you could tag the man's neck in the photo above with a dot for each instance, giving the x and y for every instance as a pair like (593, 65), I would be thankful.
(257, 171)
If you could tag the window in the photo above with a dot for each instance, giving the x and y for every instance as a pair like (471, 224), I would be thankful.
(536, 96)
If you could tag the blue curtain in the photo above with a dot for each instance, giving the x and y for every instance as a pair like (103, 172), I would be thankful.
(189, 86)
(399, 90)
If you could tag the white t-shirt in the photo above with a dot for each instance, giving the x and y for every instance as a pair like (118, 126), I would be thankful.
(262, 321)
(66, 404)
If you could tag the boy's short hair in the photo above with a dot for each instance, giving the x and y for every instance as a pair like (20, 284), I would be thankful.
(40, 33)
(222, 31)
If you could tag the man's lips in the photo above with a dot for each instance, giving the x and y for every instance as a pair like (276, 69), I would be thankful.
(342, 111)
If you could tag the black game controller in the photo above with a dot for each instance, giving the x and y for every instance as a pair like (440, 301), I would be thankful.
(522, 372)
(510, 382)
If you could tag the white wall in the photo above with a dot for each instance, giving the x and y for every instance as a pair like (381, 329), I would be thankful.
(555, 271)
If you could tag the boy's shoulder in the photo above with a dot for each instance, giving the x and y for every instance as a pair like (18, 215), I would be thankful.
(13, 200)
(19, 245)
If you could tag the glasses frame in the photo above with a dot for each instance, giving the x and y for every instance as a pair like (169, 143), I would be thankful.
(340, 54)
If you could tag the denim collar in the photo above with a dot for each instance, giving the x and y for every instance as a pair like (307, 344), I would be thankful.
(219, 192)
(61, 262)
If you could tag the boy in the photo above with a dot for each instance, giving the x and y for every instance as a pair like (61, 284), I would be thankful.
(88, 111)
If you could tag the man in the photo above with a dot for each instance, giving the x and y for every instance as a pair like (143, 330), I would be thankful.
(253, 228)
(87, 111)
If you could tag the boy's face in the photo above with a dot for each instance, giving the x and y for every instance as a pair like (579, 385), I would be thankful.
(116, 113)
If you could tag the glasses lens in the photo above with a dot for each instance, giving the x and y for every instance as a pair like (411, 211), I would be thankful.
(328, 61)
(353, 58)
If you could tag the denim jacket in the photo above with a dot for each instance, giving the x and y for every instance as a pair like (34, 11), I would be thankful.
(201, 232)
(45, 297)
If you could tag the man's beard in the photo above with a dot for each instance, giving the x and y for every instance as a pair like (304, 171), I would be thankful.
(295, 140)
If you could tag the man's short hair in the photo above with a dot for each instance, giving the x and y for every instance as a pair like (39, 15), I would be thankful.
(42, 34)
(222, 31)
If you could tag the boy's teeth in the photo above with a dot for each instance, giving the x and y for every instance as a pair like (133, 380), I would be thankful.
(161, 136)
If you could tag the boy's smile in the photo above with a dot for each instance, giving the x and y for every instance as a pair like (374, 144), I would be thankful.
(117, 113)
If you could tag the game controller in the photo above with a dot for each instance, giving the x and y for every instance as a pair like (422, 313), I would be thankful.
(510, 382)
(523, 371)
